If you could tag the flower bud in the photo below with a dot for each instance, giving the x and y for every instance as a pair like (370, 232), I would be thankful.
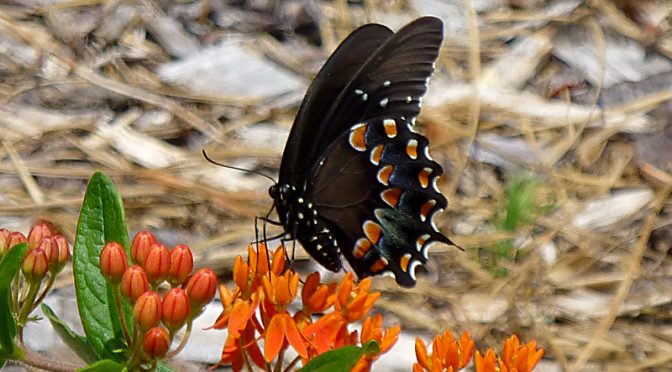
(147, 310)
(39, 231)
(142, 242)
(175, 309)
(181, 264)
(4, 239)
(156, 342)
(113, 262)
(35, 265)
(134, 283)
(14, 239)
(157, 263)
(63, 252)
(201, 288)
(48, 245)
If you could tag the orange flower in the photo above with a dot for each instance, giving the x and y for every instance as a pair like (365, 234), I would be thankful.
(447, 354)
(236, 349)
(316, 297)
(522, 358)
(372, 330)
(354, 301)
(326, 333)
(279, 292)
(515, 357)
(281, 328)
(487, 363)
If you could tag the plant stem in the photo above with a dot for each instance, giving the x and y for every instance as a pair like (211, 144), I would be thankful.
(183, 342)
(52, 279)
(120, 311)
(137, 346)
(36, 360)
(293, 363)
(27, 307)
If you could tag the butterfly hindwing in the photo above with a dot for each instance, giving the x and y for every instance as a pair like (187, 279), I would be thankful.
(379, 199)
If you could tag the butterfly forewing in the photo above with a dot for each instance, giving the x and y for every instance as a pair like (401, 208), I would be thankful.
(323, 92)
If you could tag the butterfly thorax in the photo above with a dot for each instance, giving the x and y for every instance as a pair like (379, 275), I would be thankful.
(301, 221)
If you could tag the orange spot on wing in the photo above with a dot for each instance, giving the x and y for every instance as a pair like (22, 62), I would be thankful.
(412, 149)
(358, 138)
(391, 196)
(420, 242)
(376, 154)
(426, 208)
(404, 261)
(390, 128)
(423, 177)
(361, 247)
(379, 265)
(384, 174)
(372, 231)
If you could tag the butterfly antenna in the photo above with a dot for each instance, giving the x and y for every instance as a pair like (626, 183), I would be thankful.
(209, 159)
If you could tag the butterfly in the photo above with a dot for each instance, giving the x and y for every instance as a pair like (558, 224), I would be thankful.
(356, 181)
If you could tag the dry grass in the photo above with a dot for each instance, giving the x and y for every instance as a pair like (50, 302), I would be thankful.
(572, 95)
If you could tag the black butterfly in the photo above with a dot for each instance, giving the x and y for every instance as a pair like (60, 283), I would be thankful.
(355, 179)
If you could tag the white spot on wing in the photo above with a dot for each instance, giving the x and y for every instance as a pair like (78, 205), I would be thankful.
(358, 91)
(386, 83)
(434, 185)
(429, 157)
(409, 99)
(411, 268)
(425, 249)
(384, 101)
(365, 97)
(433, 223)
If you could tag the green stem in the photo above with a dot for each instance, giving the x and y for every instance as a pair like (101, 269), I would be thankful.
(183, 342)
(120, 311)
(52, 279)
(136, 347)
(27, 307)
(15, 292)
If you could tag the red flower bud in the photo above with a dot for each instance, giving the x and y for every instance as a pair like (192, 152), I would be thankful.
(4, 239)
(48, 245)
(142, 242)
(201, 287)
(157, 263)
(175, 309)
(14, 239)
(39, 231)
(134, 283)
(113, 262)
(147, 310)
(63, 252)
(156, 342)
(181, 264)
(35, 265)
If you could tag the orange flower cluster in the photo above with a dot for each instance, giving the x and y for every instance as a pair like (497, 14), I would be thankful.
(453, 355)
(258, 308)
(515, 357)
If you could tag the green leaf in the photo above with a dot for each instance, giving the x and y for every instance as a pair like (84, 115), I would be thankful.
(101, 220)
(104, 365)
(9, 267)
(79, 344)
(340, 360)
